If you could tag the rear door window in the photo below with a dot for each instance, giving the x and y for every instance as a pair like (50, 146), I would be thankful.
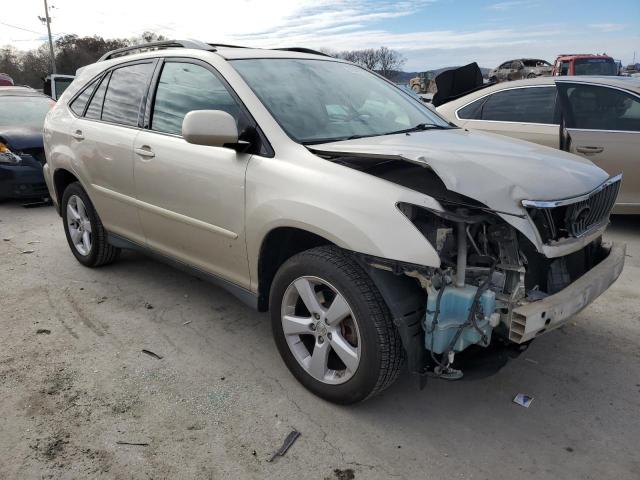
(594, 107)
(127, 88)
(525, 105)
(184, 87)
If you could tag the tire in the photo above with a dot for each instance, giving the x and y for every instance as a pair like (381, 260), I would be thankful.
(369, 326)
(100, 252)
(532, 75)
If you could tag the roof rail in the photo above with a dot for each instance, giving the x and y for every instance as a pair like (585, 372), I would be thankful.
(303, 50)
(226, 45)
(119, 52)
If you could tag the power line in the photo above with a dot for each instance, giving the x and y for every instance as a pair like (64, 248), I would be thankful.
(21, 28)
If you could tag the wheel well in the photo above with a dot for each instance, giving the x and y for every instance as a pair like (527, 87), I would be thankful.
(61, 180)
(278, 246)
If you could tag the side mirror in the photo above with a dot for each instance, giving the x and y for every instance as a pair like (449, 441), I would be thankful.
(215, 128)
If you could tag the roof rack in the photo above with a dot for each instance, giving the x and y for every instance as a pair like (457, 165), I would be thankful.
(195, 44)
(303, 50)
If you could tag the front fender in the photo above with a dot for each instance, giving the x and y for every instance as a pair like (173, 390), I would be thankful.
(351, 209)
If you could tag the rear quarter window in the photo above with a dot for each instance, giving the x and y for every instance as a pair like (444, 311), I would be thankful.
(79, 103)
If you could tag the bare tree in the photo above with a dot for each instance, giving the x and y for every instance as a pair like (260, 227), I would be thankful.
(390, 62)
(383, 60)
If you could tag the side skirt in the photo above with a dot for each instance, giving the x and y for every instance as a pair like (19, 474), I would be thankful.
(246, 296)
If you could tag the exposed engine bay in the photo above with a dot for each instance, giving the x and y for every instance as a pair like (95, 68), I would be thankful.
(488, 270)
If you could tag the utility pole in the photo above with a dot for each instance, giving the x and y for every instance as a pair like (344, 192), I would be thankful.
(47, 19)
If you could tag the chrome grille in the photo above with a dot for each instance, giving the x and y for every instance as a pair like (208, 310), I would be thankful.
(574, 217)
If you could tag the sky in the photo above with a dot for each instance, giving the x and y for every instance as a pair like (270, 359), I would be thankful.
(429, 33)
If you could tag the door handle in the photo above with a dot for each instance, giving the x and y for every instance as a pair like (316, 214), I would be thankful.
(78, 135)
(145, 151)
(589, 150)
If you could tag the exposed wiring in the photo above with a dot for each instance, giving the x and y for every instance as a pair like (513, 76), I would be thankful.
(471, 319)
(434, 322)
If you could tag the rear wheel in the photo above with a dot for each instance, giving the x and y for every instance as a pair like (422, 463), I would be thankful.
(333, 328)
(85, 234)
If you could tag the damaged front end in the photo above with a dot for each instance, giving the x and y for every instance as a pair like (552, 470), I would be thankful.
(493, 284)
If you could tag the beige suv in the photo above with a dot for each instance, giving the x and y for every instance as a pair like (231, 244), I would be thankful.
(373, 230)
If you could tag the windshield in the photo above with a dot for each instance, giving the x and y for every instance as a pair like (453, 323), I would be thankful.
(595, 66)
(24, 111)
(318, 101)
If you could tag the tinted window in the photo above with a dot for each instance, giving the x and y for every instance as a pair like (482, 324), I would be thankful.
(602, 108)
(77, 106)
(473, 111)
(95, 106)
(184, 87)
(564, 68)
(61, 85)
(529, 105)
(124, 95)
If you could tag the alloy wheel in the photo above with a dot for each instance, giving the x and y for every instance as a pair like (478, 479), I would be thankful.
(321, 330)
(79, 225)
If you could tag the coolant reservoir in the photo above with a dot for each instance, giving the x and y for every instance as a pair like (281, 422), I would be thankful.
(454, 312)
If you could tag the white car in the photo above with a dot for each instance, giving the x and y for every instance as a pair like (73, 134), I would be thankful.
(370, 228)
(595, 117)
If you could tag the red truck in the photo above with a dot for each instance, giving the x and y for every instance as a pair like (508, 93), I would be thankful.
(585, 64)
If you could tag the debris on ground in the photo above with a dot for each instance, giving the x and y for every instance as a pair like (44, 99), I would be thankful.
(531, 360)
(291, 438)
(38, 203)
(141, 444)
(24, 252)
(101, 299)
(187, 322)
(33, 242)
(152, 354)
(346, 474)
(523, 400)
(44, 331)
(148, 306)
(6, 239)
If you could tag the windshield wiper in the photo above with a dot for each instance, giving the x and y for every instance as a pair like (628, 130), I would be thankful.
(420, 127)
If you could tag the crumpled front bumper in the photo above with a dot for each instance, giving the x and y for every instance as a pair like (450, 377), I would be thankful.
(24, 180)
(535, 318)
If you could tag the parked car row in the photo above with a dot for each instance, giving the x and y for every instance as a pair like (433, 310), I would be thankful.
(565, 64)
(371, 228)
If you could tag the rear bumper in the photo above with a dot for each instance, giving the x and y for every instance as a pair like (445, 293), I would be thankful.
(23, 181)
(532, 319)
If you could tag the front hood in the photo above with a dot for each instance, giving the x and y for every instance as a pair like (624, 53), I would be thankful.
(495, 170)
(22, 138)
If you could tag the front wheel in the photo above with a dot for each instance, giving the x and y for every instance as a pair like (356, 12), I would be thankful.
(332, 327)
